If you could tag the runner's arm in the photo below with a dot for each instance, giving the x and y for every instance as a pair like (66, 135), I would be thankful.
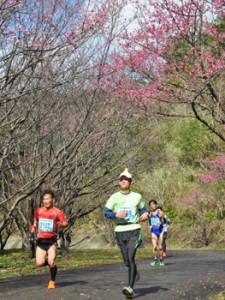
(143, 210)
(168, 221)
(33, 226)
(62, 224)
(109, 214)
(144, 215)
(62, 220)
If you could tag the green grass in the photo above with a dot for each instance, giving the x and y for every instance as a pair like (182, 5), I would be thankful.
(17, 262)
(220, 296)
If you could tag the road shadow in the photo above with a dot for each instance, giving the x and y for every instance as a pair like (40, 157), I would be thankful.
(35, 281)
(150, 290)
(67, 283)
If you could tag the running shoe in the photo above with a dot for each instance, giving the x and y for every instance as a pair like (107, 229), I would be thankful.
(51, 284)
(164, 254)
(154, 262)
(128, 292)
(161, 263)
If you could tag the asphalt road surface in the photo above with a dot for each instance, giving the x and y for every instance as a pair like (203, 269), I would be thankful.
(189, 275)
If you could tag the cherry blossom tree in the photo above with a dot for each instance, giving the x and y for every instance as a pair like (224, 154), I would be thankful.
(216, 170)
(171, 62)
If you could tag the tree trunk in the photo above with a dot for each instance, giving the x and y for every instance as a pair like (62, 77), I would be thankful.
(64, 242)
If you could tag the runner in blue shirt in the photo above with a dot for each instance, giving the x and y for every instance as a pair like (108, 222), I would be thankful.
(156, 221)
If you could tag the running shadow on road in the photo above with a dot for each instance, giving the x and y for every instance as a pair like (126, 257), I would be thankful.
(25, 282)
(67, 283)
(150, 290)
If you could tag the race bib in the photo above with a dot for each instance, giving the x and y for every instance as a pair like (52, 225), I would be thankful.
(131, 212)
(45, 225)
(155, 221)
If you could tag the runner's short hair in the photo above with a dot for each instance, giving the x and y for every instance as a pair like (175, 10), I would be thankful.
(45, 192)
(152, 201)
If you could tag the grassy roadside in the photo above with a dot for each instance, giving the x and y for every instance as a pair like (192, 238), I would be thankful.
(220, 296)
(17, 262)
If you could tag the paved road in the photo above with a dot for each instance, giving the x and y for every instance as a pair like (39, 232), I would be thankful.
(189, 275)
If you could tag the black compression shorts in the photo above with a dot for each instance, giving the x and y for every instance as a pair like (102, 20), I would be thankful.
(45, 244)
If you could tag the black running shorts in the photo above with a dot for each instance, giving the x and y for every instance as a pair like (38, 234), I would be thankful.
(45, 244)
(130, 239)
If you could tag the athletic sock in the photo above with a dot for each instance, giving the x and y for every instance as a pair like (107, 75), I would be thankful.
(53, 272)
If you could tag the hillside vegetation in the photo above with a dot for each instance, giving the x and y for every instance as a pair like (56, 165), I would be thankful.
(173, 176)
(171, 173)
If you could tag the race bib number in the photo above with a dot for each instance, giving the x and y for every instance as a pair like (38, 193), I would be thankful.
(131, 212)
(45, 225)
(155, 221)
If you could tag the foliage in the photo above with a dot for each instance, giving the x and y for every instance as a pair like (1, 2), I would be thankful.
(220, 296)
(186, 219)
(193, 138)
(172, 58)
(171, 210)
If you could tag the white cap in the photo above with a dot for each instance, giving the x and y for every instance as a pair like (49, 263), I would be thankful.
(126, 174)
